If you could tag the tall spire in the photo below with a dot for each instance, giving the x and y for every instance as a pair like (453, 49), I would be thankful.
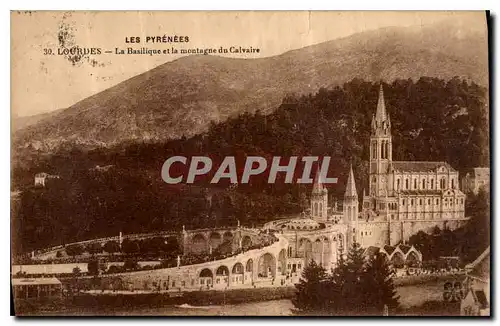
(350, 190)
(381, 114)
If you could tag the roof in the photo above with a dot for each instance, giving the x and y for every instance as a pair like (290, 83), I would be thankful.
(381, 114)
(480, 268)
(350, 190)
(35, 281)
(389, 249)
(404, 248)
(480, 297)
(416, 166)
(420, 192)
(371, 251)
(317, 184)
(301, 224)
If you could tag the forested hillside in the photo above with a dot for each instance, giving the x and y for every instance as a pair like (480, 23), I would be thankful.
(104, 191)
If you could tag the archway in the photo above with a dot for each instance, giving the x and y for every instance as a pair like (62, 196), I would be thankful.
(267, 266)
(237, 273)
(397, 259)
(199, 244)
(340, 242)
(249, 266)
(246, 242)
(305, 250)
(206, 278)
(282, 262)
(215, 240)
(222, 276)
(317, 254)
(327, 253)
(412, 259)
(249, 270)
(227, 236)
(222, 271)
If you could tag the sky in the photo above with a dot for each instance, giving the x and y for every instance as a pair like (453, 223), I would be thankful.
(43, 83)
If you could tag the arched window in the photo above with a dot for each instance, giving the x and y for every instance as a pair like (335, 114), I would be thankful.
(374, 150)
(423, 184)
(453, 183)
(320, 213)
(398, 184)
(407, 184)
(432, 183)
(387, 149)
(382, 149)
(414, 183)
(443, 184)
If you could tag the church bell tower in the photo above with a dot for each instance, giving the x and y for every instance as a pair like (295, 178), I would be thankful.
(380, 149)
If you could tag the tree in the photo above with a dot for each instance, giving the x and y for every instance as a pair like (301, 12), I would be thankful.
(311, 295)
(130, 247)
(476, 234)
(379, 289)
(76, 271)
(74, 250)
(93, 267)
(130, 264)
(94, 248)
(111, 247)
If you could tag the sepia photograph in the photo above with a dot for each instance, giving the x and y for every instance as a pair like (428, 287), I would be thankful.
(250, 163)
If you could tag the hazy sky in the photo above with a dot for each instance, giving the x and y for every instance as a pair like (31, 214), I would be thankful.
(42, 83)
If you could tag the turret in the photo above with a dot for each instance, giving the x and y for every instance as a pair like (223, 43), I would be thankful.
(351, 208)
(319, 199)
(350, 190)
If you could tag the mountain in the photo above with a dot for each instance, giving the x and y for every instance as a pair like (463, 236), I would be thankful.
(182, 97)
(21, 122)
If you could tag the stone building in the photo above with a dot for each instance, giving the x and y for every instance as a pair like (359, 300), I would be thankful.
(476, 179)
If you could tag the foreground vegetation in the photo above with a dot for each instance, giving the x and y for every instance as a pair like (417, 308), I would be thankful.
(357, 286)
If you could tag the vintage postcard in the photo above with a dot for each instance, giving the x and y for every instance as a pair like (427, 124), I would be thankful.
(302, 163)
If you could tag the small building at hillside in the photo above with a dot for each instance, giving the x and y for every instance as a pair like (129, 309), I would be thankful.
(41, 178)
(36, 288)
(476, 301)
(476, 179)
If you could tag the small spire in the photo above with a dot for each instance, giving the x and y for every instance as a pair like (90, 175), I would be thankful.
(317, 185)
(350, 190)
(381, 114)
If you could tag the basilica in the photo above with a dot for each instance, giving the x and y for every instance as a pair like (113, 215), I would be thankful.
(404, 197)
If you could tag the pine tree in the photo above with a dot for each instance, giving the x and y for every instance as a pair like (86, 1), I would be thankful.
(312, 295)
(352, 291)
(379, 289)
(335, 283)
